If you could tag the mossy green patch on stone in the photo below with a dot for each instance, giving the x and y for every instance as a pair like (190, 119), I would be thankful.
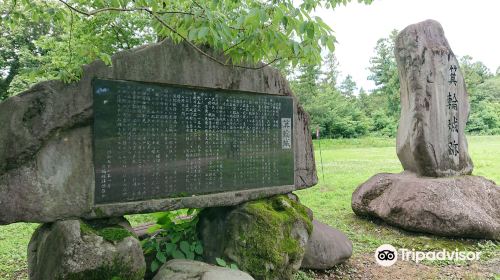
(111, 234)
(114, 234)
(86, 229)
(265, 244)
(99, 212)
(117, 270)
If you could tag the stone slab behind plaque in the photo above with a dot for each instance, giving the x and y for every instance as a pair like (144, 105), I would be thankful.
(46, 146)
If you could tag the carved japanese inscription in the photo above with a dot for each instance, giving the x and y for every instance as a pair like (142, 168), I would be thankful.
(156, 141)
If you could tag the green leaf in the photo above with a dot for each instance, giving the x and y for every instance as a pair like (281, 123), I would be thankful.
(330, 45)
(175, 237)
(234, 266)
(296, 48)
(106, 58)
(170, 247)
(321, 23)
(302, 27)
(123, 3)
(198, 249)
(164, 220)
(184, 245)
(193, 34)
(284, 21)
(190, 255)
(221, 262)
(252, 18)
(310, 31)
(161, 257)
(178, 255)
(154, 266)
(202, 33)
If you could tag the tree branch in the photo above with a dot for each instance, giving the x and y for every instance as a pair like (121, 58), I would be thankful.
(234, 45)
(94, 12)
(114, 9)
(203, 52)
(155, 15)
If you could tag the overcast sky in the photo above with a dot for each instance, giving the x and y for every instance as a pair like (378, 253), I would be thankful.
(471, 27)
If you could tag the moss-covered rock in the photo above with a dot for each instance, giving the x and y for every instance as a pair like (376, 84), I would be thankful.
(76, 249)
(115, 270)
(265, 237)
(113, 231)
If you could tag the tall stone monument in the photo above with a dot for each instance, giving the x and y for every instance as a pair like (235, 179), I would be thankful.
(434, 104)
(435, 193)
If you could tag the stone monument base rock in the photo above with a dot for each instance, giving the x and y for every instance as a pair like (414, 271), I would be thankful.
(266, 238)
(195, 270)
(326, 247)
(463, 206)
(77, 249)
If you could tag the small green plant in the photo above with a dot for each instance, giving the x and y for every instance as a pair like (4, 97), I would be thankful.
(174, 237)
(223, 263)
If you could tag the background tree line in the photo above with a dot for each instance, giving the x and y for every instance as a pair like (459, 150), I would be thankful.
(52, 39)
(341, 110)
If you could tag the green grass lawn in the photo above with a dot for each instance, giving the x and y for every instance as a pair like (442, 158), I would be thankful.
(346, 164)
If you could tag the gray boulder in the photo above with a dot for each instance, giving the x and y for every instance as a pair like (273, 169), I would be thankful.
(76, 249)
(464, 206)
(194, 270)
(434, 104)
(46, 155)
(326, 247)
(266, 237)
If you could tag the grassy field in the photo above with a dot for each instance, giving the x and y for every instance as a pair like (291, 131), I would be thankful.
(346, 164)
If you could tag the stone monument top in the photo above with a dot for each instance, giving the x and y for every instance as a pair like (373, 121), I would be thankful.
(434, 104)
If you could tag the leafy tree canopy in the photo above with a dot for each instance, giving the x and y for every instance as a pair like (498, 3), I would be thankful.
(75, 32)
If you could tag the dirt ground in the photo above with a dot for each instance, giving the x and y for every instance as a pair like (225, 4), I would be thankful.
(364, 267)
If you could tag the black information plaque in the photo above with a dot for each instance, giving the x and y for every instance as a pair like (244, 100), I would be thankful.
(155, 141)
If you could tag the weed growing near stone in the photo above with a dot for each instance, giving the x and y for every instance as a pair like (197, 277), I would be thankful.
(223, 263)
(173, 237)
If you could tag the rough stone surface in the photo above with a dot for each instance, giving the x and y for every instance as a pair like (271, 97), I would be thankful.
(266, 238)
(463, 206)
(73, 249)
(194, 270)
(424, 58)
(326, 247)
(46, 166)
